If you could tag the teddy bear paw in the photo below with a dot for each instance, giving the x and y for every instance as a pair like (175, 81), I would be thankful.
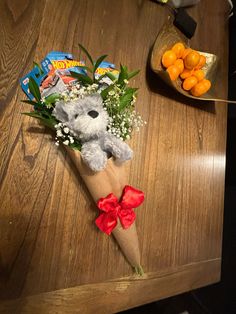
(125, 154)
(98, 163)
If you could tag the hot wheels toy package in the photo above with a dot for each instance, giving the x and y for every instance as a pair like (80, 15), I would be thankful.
(53, 74)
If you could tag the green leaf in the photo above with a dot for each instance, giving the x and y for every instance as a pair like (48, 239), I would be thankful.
(76, 146)
(83, 78)
(32, 114)
(123, 75)
(31, 102)
(51, 99)
(132, 74)
(49, 122)
(42, 114)
(98, 62)
(39, 67)
(131, 90)
(100, 77)
(111, 76)
(85, 68)
(87, 54)
(34, 89)
(105, 91)
(126, 98)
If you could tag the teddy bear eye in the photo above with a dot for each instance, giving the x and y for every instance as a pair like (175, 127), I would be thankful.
(76, 116)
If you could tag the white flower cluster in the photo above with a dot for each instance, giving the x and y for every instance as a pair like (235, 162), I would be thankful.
(79, 91)
(121, 123)
(111, 102)
(63, 134)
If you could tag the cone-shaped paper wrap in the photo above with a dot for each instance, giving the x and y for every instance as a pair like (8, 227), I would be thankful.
(111, 180)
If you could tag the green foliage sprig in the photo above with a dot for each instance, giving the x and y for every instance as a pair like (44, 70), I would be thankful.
(41, 111)
(89, 78)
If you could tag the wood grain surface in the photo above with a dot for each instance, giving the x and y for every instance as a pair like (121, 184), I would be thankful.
(48, 239)
(103, 297)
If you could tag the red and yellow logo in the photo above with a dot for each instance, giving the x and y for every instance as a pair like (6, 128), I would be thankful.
(65, 64)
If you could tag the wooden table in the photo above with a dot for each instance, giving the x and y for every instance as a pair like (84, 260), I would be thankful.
(52, 257)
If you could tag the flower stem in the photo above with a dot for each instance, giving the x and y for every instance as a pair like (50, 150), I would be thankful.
(139, 270)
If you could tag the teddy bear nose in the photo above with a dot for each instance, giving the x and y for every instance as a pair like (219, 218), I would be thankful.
(93, 114)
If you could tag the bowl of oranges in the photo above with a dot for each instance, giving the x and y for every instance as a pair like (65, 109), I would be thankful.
(190, 72)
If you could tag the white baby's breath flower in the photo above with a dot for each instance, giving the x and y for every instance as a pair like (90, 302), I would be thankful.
(71, 139)
(66, 130)
(59, 133)
(66, 142)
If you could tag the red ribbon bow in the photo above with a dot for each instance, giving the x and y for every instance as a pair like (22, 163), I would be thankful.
(112, 209)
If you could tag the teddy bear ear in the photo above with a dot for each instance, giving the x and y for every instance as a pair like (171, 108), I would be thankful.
(60, 113)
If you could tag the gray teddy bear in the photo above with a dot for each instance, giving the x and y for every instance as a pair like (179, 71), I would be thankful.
(87, 121)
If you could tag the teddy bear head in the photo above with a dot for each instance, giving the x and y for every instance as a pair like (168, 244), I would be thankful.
(85, 117)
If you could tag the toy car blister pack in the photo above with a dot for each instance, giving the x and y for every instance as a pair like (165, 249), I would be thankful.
(53, 74)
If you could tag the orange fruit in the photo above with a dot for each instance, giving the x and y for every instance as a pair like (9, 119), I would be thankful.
(201, 62)
(207, 84)
(189, 82)
(168, 58)
(180, 64)
(191, 60)
(178, 49)
(186, 73)
(199, 74)
(201, 88)
(173, 71)
(186, 52)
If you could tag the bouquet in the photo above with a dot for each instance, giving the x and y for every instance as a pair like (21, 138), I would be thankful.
(91, 110)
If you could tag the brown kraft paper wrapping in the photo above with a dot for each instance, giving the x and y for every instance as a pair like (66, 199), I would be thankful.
(110, 180)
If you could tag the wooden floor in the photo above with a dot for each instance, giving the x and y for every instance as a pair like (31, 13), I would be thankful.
(48, 240)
